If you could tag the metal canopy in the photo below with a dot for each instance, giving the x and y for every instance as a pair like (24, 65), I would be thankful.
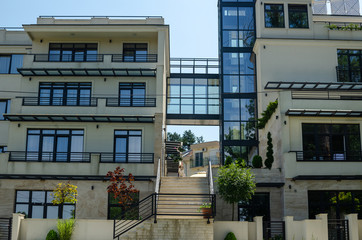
(323, 113)
(67, 177)
(327, 177)
(80, 118)
(103, 72)
(314, 86)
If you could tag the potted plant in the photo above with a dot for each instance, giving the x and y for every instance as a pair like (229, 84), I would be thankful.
(206, 210)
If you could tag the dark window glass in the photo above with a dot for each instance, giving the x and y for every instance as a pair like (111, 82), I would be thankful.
(199, 158)
(132, 94)
(52, 145)
(4, 108)
(118, 211)
(331, 142)
(9, 64)
(38, 204)
(274, 15)
(257, 206)
(349, 65)
(298, 16)
(65, 94)
(73, 52)
(336, 203)
(135, 52)
(127, 145)
(3, 149)
(16, 62)
(237, 152)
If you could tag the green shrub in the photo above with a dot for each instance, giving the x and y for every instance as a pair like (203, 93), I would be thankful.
(230, 236)
(228, 161)
(257, 161)
(52, 235)
(65, 228)
(269, 152)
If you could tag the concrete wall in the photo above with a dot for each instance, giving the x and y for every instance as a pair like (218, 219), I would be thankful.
(241, 230)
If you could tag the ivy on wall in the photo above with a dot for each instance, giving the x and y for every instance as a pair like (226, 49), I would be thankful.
(266, 115)
(349, 27)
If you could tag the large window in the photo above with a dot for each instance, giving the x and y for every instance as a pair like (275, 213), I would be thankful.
(331, 142)
(127, 145)
(336, 203)
(132, 94)
(199, 159)
(58, 145)
(193, 96)
(10, 63)
(73, 52)
(65, 94)
(118, 211)
(274, 15)
(135, 52)
(4, 108)
(349, 65)
(257, 206)
(298, 16)
(38, 204)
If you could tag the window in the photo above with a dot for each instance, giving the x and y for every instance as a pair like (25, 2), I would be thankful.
(336, 203)
(199, 158)
(3, 149)
(258, 206)
(331, 142)
(58, 145)
(65, 94)
(10, 63)
(274, 15)
(349, 65)
(244, 152)
(4, 108)
(135, 52)
(116, 210)
(73, 52)
(38, 204)
(127, 145)
(132, 94)
(298, 16)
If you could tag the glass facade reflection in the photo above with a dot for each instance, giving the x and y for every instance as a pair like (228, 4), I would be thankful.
(238, 88)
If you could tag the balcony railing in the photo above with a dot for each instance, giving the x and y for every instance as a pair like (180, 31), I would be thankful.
(204, 162)
(348, 74)
(352, 156)
(134, 58)
(30, 156)
(134, 102)
(60, 101)
(127, 158)
(68, 57)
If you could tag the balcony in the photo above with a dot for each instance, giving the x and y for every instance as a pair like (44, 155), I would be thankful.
(335, 156)
(126, 158)
(134, 58)
(348, 74)
(60, 101)
(94, 58)
(134, 102)
(23, 156)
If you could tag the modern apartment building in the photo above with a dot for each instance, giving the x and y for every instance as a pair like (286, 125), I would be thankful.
(78, 98)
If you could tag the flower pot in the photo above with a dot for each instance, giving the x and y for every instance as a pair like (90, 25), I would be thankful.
(206, 212)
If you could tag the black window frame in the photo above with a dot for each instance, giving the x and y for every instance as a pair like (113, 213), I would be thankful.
(73, 57)
(297, 11)
(9, 71)
(199, 158)
(111, 205)
(274, 11)
(130, 52)
(45, 204)
(347, 72)
(7, 108)
(313, 151)
(64, 100)
(53, 155)
(252, 207)
(3, 149)
(126, 136)
(133, 101)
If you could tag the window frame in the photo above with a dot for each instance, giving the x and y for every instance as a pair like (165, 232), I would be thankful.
(7, 108)
(279, 11)
(132, 86)
(45, 204)
(199, 158)
(132, 54)
(11, 63)
(73, 49)
(289, 15)
(112, 205)
(127, 137)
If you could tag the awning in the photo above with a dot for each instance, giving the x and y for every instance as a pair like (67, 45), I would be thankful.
(323, 113)
(314, 86)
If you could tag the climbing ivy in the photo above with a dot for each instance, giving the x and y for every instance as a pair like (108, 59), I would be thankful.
(270, 109)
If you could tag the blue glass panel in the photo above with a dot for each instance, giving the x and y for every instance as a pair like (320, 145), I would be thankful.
(246, 63)
(232, 109)
(246, 18)
(247, 108)
(231, 130)
(229, 18)
(231, 63)
(4, 64)
(231, 84)
(247, 84)
(16, 62)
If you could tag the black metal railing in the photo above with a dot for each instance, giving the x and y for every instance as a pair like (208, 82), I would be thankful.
(195, 65)
(5, 228)
(134, 58)
(126, 158)
(328, 156)
(68, 57)
(131, 102)
(348, 74)
(204, 162)
(60, 101)
(274, 230)
(158, 204)
(30, 156)
(338, 229)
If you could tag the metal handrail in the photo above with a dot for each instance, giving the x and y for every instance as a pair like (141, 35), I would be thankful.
(134, 58)
(68, 57)
(60, 101)
(33, 156)
(131, 102)
(126, 157)
(211, 181)
(334, 156)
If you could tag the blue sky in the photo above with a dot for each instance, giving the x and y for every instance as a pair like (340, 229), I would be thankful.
(193, 26)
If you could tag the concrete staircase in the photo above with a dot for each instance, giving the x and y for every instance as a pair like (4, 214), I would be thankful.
(173, 205)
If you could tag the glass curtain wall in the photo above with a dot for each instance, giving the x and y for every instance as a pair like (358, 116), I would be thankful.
(238, 83)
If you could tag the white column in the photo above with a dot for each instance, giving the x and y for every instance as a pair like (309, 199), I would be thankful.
(288, 220)
(352, 226)
(324, 230)
(258, 228)
(15, 230)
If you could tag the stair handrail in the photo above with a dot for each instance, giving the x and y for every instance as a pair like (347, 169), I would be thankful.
(210, 178)
(158, 178)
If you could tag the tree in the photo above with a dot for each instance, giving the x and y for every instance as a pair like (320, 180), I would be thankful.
(269, 152)
(64, 193)
(174, 137)
(235, 183)
(200, 139)
(188, 138)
